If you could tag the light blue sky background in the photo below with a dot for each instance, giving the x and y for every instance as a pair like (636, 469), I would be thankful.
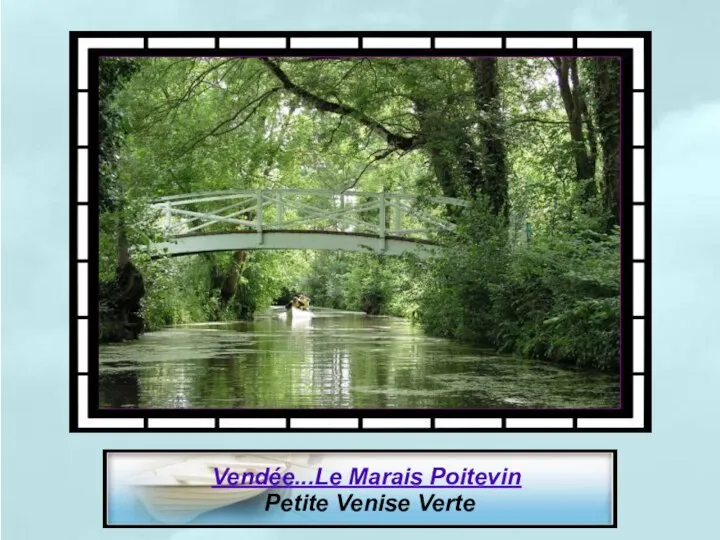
(51, 480)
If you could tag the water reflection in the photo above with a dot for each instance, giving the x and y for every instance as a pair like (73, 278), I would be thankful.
(335, 360)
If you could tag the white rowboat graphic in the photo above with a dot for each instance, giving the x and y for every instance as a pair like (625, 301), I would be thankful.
(180, 492)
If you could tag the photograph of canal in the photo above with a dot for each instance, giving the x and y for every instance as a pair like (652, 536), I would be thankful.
(359, 232)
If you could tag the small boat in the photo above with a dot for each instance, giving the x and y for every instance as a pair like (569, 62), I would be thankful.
(180, 492)
(296, 314)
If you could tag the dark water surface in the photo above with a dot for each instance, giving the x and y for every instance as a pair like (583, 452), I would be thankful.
(335, 360)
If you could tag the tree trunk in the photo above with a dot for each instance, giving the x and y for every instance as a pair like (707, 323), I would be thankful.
(462, 165)
(607, 110)
(123, 252)
(120, 299)
(443, 172)
(576, 109)
(230, 284)
(488, 174)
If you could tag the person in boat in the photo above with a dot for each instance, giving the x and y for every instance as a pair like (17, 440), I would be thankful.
(304, 301)
(300, 301)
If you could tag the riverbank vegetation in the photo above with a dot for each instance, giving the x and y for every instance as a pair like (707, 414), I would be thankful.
(532, 143)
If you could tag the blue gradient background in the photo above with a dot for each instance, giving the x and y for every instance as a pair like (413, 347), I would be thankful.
(512, 507)
(52, 480)
(557, 489)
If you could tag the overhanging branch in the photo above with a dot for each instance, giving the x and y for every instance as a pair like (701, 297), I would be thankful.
(218, 129)
(380, 154)
(398, 142)
(537, 121)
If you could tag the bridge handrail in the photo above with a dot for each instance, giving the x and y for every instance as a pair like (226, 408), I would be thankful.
(226, 194)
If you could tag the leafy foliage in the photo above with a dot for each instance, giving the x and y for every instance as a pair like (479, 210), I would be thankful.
(554, 299)
(375, 284)
(499, 132)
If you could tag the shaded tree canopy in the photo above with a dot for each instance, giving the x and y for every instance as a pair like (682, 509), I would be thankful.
(462, 123)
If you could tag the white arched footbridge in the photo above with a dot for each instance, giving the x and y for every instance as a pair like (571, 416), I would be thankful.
(390, 223)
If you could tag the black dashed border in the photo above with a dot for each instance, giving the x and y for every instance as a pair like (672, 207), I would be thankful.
(84, 409)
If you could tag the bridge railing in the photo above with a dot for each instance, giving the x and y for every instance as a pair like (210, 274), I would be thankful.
(380, 214)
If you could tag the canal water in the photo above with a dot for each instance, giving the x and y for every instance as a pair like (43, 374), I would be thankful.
(334, 360)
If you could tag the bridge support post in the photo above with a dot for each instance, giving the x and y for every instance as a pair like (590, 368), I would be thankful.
(168, 217)
(258, 217)
(340, 226)
(278, 209)
(398, 216)
(383, 243)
